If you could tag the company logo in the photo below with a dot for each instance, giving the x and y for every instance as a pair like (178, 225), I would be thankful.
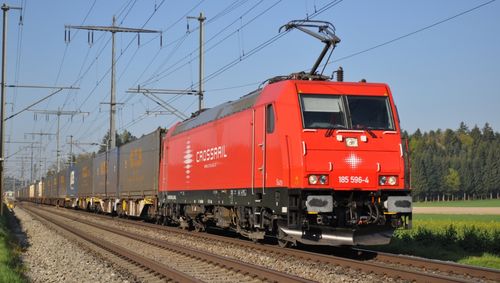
(210, 154)
(353, 160)
(188, 160)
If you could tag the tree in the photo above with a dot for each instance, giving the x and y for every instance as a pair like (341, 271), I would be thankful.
(121, 139)
(463, 129)
(125, 137)
(448, 161)
(491, 176)
(488, 134)
(475, 133)
(452, 182)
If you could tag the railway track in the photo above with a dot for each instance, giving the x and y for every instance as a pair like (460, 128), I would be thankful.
(190, 265)
(382, 264)
(466, 271)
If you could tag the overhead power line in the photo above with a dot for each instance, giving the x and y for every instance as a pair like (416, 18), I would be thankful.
(113, 29)
(241, 58)
(157, 7)
(412, 33)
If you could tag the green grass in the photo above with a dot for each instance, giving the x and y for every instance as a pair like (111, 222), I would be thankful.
(10, 268)
(485, 260)
(461, 203)
(492, 221)
(468, 239)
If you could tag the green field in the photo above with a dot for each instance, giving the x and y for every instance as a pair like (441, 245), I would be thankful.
(491, 221)
(467, 239)
(10, 267)
(462, 203)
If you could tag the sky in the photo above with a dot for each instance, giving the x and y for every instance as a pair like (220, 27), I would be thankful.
(440, 59)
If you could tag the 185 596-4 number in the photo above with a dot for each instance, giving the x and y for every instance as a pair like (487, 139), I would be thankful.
(353, 180)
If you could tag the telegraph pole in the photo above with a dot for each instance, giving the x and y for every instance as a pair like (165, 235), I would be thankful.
(59, 113)
(31, 145)
(41, 134)
(5, 8)
(201, 19)
(31, 168)
(113, 29)
(71, 151)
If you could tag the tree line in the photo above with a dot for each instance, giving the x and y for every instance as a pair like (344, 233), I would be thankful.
(457, 164)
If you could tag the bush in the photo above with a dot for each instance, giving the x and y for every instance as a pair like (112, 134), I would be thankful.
(495, 246)
(456, 238)
(474, 239)
(468, 238)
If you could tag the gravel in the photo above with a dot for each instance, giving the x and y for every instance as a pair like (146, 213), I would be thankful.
(102, 273)
(49, 257)
(310, 270)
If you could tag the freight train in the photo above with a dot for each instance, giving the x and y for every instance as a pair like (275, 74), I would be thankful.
(303, 159)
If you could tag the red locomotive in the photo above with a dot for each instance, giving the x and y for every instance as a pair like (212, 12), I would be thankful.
(310, 161)
(303, 159)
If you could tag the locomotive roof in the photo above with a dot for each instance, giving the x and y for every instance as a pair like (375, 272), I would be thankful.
(218, 112)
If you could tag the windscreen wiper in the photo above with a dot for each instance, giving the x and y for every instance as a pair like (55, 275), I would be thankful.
(368, 130)
(330, 130)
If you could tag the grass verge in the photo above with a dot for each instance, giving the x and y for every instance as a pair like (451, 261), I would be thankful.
(485, 260)
(10, 266)
(467, 239)
(461, 203)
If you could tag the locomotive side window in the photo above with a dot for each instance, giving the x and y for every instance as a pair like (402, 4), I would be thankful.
(368, 112)
(323, 112)
(270, 119)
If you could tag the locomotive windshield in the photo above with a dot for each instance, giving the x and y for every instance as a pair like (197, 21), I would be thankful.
(346, 112)
(323, 112)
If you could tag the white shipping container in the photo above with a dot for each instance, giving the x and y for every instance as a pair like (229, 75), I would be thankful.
(40, 188)
(32, 191)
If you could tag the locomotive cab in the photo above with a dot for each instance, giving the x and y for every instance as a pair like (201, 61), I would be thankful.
(349, 185)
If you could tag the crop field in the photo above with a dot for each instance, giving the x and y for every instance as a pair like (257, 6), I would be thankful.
(468, 239)
(466, 203)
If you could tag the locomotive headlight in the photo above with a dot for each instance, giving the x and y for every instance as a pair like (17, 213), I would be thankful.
(323, 179)
(313, 179)
(388, 180)
(318, 179)
(382, 180)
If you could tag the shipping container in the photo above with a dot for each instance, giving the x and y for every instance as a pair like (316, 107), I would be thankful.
(112, 178)
(71, 187)
(83, 177)
(139, 166)
(39, 189)
(62, 183)
(105, 178)
(51, 185)
(32, 191)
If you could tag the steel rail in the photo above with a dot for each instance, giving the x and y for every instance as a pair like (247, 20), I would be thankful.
(379, 268)
(121, 252)
(252, 270)
(450, 267)
(369, 267)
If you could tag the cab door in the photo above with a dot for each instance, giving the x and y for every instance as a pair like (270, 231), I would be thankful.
(262, 137)
(258, 152)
